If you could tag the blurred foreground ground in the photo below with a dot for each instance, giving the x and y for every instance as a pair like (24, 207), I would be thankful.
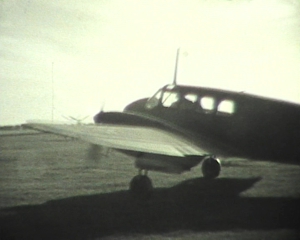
(50, 189)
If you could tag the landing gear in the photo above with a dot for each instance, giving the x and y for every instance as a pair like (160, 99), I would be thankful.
(211, 167)
(141, 186)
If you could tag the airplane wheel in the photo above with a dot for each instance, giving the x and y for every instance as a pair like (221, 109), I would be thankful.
(141, 187)
(211, 167)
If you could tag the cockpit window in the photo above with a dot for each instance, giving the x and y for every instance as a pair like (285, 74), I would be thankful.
(170, 98)
(153, 101)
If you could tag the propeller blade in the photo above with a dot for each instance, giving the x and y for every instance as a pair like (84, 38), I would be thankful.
(66, 117)
(96, 152)
(75, 119)
(83, 118)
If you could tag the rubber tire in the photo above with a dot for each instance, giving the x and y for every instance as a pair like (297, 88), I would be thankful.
(211, 168)
(141, 187)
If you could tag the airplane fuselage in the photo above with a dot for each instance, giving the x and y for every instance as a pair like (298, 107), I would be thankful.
(244, 124)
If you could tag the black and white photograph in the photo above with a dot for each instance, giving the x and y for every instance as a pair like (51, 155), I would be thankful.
(147, 119)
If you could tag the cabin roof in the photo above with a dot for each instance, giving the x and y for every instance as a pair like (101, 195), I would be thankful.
(221, 93)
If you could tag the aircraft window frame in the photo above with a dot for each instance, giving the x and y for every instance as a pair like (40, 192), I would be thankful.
(170, 99)
(170, 87)
(154, 100)
(226, 107)
(209, 104)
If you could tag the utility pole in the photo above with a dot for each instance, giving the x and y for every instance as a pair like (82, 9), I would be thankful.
(52, 114)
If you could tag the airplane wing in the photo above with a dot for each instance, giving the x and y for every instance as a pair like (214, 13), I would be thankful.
(124, 137)
(18, 132)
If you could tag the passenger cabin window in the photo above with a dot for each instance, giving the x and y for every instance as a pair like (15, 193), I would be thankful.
(226, 107)
(188, 101)
(153, 101)
(191, 97)
(170, 99)
(207, 104)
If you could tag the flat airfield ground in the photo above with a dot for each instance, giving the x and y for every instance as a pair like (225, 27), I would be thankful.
(51, 189)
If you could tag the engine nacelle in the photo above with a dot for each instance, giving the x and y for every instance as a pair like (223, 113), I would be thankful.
(211, 167)
(165, 163)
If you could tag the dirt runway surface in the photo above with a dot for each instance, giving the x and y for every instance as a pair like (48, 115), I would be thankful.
(51, 189)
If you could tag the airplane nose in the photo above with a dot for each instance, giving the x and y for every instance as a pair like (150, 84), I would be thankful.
(98, 117)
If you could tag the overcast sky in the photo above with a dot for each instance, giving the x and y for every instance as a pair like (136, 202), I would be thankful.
(118, 51)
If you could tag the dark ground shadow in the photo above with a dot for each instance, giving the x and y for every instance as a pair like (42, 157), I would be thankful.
(196, 204)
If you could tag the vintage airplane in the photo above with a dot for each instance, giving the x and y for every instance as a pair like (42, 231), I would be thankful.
(181, 126)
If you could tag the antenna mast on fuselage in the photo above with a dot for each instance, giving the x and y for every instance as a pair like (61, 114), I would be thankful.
(176, 66)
